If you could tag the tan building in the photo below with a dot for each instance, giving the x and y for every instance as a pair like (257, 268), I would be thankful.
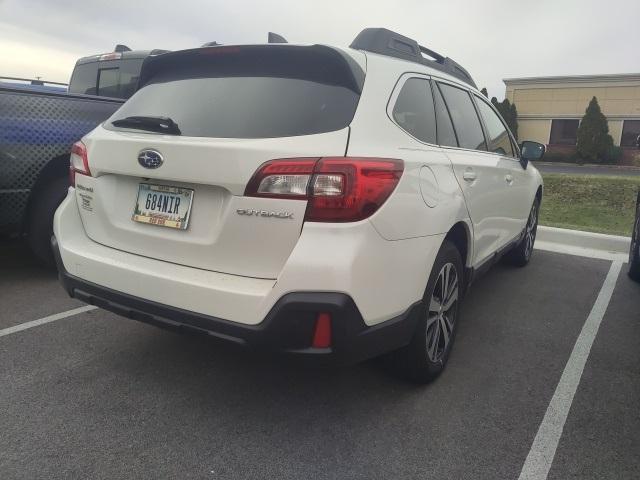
(550, 108)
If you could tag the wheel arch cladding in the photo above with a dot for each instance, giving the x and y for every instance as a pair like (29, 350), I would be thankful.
(459, 236)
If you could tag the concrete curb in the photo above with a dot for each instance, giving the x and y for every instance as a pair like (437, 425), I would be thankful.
(587, 244)
(587, 165)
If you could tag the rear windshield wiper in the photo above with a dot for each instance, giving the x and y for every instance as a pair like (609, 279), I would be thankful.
(153, 124)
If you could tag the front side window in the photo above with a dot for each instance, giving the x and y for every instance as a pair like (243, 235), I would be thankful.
(414, 110)
(499, 141)
(464, 116)
(564, 132)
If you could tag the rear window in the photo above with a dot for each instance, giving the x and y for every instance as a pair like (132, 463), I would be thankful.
(114, 78)
(243, 95)
(108, 82)
(83, 79)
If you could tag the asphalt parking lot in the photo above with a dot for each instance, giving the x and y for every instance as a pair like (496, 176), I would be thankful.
(98, 396)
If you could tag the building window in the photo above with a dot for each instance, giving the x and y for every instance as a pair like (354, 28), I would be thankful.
(630, 132)
(564, 132)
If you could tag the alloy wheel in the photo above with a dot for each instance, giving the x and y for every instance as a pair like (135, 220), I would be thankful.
(441, 314)
(530, 234)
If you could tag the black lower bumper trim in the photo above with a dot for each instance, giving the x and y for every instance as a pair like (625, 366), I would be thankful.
(287, 328)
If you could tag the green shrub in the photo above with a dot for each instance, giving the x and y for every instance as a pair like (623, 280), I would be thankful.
(594, 140)
(613, 155)
(509, 113)
(559, 157)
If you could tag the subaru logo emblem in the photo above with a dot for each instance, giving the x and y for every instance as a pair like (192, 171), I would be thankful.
(150, 158)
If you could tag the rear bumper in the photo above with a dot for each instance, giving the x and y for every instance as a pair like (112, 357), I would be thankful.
(287, 328)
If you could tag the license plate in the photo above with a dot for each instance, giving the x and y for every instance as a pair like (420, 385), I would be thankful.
(163, 205)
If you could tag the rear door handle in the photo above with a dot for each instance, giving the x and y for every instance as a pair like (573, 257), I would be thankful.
(469, 175)
(508, 178)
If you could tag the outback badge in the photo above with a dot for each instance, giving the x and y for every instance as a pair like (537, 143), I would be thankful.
(252, 212)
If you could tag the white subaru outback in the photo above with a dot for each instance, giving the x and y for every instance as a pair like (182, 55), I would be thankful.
(325, 202)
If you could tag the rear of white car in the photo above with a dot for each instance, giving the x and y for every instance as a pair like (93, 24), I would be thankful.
(268, 196)
(276, 240)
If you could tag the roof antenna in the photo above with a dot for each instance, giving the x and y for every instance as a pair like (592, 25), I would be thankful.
(121, 48)
(211, 44)
(275, 38)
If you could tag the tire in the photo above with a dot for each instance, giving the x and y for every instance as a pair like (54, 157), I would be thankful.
(634, 257)
(40, 223)
(520, 255)
(426, 355)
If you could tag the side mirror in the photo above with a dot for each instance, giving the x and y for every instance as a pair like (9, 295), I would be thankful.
(531, 151)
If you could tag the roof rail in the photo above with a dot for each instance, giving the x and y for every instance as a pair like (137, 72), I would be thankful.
(34, 81)
(392, 44)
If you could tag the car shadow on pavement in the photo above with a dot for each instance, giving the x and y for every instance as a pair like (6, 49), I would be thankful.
(28, 289)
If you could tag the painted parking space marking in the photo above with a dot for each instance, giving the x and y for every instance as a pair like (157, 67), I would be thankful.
(581, 252)
(44, 320)
(545, 443)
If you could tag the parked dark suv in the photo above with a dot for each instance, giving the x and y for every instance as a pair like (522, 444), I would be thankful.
(38, 125)
(634, 251)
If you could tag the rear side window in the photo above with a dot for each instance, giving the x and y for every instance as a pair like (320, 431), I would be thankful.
(446, 133)
(464, 116)
(414, 110)
(499, 140)
(252, 92)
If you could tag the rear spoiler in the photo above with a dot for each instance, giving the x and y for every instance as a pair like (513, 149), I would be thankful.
(319, 63)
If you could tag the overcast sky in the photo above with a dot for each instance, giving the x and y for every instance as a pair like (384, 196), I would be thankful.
(493, 39)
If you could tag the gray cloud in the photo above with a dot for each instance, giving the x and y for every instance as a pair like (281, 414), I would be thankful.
(494, 39)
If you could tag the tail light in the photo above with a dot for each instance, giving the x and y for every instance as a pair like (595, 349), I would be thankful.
(338, 189)
(78, 162)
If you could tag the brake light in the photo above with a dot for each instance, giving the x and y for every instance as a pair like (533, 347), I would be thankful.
(110, 56)
(78, 162)
(338, 189)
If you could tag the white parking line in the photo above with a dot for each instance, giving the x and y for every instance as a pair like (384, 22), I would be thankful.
(580, 251)
(543, 450)
(42, 321)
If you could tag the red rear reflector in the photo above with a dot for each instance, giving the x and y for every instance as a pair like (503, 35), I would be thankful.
(322, 332)
(338, 189)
